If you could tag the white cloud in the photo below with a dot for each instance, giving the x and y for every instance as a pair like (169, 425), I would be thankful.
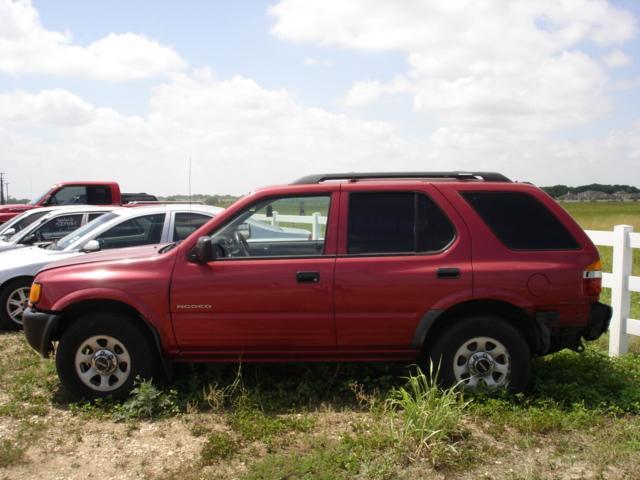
(318, 62)
(54, 108)
(516, 65)
(617, 58)
(26, 47)
(241, 136)
(238, 134)
(364, 93)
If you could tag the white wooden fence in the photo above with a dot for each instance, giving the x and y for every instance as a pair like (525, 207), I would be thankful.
(315, 220)
(621, 283)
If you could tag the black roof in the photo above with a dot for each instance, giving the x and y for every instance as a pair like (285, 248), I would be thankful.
(322, 177)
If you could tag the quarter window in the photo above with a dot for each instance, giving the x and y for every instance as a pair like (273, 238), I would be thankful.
(396, 222)
(520, 221)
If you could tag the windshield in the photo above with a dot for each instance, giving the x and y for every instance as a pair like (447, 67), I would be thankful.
(36, 200)
(76, 235)
(20, 222)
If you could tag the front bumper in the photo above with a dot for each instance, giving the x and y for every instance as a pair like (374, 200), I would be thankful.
(599, 319)
(39, 328)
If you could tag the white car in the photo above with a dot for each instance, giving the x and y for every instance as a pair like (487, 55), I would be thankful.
(120, 228)
(22, 221)
(53, 225)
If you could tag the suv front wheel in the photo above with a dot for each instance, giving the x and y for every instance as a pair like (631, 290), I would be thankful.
(101, 355)
(482, 352)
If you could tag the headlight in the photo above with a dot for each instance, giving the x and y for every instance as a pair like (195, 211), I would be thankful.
(34, 294)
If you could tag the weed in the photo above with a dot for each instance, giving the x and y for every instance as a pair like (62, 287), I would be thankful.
(219, 445)
(147, 401)
(429, 418)
(10, 453)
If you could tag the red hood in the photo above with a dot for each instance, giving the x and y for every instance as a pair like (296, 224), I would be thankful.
(15, 207)
(118, 254)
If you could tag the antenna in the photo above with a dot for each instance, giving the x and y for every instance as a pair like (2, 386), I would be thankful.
(190, 184)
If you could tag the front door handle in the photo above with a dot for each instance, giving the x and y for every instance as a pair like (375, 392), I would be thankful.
(448, 273)
(307, 277)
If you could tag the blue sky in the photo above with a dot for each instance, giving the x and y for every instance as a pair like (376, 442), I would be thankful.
(262, 92)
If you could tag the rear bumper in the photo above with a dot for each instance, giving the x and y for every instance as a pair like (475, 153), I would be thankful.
(39, 328)
(599, 319)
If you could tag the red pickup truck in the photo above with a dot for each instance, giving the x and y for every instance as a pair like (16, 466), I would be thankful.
(469, 270)
(76, 193)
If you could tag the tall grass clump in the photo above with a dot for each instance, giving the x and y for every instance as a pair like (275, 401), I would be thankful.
(428, 420)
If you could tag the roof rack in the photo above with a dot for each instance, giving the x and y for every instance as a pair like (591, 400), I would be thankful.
(323, 177)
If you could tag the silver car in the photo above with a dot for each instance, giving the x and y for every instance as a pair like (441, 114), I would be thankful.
(120, 228)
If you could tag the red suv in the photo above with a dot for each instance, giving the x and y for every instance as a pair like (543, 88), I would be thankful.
(475, 272)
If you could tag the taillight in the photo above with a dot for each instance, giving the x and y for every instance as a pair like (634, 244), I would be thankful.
(592, 279)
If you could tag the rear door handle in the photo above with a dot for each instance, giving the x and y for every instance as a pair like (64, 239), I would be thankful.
(307, 277)
(448, 273)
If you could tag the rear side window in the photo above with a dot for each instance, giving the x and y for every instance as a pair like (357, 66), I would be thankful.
(520, 221)
(145, 230)
(98, 195)
(396, 222)
(58, 227)
(187, 223)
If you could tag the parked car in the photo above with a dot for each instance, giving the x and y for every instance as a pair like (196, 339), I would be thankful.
(53, 225)
(470, 271)
(120, 228)
(76, 193)
(21, 221)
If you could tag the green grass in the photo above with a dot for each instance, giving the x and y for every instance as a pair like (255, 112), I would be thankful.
(343, 421)
(218, 446)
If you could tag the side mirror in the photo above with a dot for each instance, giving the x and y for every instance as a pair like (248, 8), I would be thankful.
(91, 246)
(203, 251)
(9, 233)
(29, 239)
(244, 229)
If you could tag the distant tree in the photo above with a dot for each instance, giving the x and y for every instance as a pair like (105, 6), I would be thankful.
(558, 190)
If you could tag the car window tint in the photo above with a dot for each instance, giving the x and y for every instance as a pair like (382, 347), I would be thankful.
(186, 223)
(381, 223)
(145, 230)
(71, 195)
(93, 216)
(434, 230)
(58, 227)
(396, 222)
(520, 221)
(278, 227)
(98, 195)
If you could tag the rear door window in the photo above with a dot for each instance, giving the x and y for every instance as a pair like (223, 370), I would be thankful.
(520, 221)
(396, 222)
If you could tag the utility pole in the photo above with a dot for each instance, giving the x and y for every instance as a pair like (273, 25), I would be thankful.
(1, 188)
(7, 191)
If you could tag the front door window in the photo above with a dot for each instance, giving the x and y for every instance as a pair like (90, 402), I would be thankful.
(280, 227)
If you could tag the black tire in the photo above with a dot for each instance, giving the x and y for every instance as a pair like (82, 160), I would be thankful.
(94, 334)
(453, 352)
(8, 291)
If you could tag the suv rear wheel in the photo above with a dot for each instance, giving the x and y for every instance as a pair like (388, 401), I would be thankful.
(482, 352)
(101, 355)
